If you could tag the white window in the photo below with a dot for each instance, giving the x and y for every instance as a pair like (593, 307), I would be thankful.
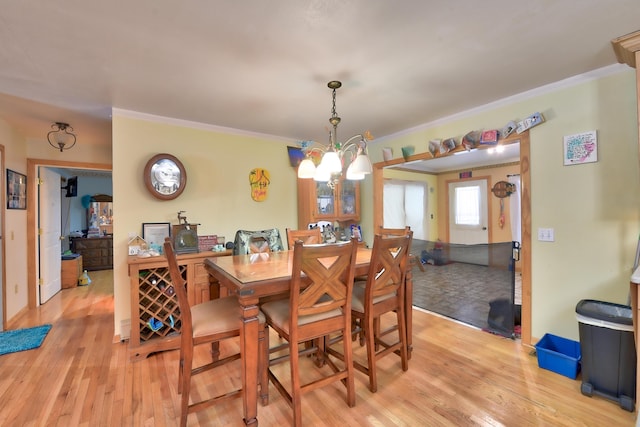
(405, 203)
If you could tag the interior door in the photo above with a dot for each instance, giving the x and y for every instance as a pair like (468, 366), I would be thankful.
(468, 216)
(50, 233)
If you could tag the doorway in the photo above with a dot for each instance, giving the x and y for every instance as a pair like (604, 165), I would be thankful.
(33, 253)
(524, 142)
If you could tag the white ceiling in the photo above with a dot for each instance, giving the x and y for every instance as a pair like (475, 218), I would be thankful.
(263, 66)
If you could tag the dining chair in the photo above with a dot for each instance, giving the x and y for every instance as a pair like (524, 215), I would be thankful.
(383, 292)
(308, 237)
(413, 260)
(210, 322)
(319, 304)
(247, 242)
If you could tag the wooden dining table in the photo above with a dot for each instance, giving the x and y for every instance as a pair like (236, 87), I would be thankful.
(255, 277)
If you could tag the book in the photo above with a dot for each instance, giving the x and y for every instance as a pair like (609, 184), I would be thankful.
(489, 137)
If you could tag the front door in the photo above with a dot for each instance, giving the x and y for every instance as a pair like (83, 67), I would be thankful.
(50, 234)
(468, 223)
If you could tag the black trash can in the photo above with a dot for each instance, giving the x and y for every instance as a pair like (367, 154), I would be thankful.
(608, 351)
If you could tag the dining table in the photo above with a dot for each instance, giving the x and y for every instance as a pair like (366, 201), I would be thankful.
(252, 279)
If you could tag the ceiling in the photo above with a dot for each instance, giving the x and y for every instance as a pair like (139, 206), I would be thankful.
(263, 66)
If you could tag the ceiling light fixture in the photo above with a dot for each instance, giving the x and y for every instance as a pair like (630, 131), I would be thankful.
(333, 155)
(62, 137)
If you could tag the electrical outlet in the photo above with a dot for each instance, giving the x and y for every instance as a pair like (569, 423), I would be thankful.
(546, 234)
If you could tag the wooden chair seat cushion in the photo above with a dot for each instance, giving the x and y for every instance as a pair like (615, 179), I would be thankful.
(357, 301)
(217, 316)
(278, 313)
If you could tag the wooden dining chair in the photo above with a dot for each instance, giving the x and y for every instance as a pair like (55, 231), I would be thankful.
(308, 237)
(383, 292)
(210, 323)
(319, 304)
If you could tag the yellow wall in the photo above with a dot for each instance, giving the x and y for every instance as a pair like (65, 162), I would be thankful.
(217, 195)
(593, 208)
(15, 232)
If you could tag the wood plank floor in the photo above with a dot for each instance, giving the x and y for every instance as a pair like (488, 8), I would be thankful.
(458, 376)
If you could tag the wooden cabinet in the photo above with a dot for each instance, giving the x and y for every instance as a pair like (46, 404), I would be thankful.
(318, 202)
(97, 252)
(155, 317)
(70, 272)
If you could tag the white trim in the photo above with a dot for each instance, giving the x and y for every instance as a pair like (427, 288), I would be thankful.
(539, 91)
(195, 125)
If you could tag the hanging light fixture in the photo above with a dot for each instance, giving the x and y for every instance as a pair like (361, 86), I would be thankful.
(62, 137)
(333, 155)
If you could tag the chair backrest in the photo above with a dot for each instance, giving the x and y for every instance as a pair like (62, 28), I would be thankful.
(179, 286)
(388, 266)
(247, 241)
(322, 278)
(311, 236)
(394, 231)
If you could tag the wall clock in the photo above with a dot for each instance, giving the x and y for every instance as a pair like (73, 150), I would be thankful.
(165, 176)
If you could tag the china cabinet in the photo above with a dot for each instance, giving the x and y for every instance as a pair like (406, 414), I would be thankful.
(318, 202)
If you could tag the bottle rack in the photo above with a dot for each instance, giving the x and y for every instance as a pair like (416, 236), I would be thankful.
(159, 314)
(155, 315)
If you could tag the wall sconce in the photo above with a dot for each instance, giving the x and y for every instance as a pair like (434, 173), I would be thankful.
(62, 137)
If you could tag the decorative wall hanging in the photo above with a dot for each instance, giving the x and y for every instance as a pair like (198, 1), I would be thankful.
(581, 148)
(503, 189)
(16, 190)
(259, 179)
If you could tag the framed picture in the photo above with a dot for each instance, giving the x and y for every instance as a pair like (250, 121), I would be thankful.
(16, 190)
(581, 148)
(154, 234)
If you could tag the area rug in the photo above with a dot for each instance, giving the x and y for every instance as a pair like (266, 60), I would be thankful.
(22, 339)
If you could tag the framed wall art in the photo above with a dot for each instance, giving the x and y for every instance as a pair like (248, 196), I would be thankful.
(16, 190)
(154, 234)
(581, 148)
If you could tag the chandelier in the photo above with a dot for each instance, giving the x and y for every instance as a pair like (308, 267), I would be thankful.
(335, 153)
(62, 137)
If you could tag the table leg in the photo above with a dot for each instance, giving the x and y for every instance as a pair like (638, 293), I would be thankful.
(249, 358)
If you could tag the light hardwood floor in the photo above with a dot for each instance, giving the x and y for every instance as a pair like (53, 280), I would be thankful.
(458, 376)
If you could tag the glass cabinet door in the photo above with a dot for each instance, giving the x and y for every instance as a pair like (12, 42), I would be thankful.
(324, 199)
(348, 197)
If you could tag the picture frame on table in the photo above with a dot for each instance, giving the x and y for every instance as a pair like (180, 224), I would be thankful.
(16, 190)
(154, 234)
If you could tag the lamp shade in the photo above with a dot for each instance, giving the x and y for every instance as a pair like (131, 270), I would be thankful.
(352, 174)
(361, 164)
(322, 173)
(331, 161)
(306, 169)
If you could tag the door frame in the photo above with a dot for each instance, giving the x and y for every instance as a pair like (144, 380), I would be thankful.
(525, 200)
(33, 256)
(3, 288)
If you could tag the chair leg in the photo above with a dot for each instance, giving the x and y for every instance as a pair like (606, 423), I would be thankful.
(402, 336)
(348, 363)
(370, 338)
(186, 388)
(296, 398)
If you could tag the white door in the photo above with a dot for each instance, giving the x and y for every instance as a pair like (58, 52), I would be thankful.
(49, 224)
(405, 203)
(468, 218)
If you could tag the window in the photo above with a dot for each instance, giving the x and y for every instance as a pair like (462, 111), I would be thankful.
(405, 203)
(467, 206)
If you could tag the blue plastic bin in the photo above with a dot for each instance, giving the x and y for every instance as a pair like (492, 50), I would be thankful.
(560, 355)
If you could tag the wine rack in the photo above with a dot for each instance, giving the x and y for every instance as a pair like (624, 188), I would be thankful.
(159, 314)
(155, 315)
